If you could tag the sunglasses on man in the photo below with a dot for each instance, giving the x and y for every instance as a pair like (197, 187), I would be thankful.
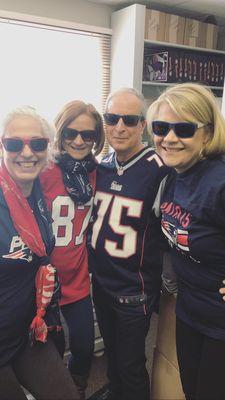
(183, 130)
(86, 135)
(15, 145)
(128, 120)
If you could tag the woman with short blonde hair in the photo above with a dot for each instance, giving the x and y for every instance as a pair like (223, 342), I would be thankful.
(194, 103)
(189, 134)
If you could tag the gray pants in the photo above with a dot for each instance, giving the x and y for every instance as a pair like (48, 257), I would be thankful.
(41, 371)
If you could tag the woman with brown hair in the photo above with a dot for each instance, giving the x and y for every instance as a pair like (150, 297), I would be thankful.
(69, 185)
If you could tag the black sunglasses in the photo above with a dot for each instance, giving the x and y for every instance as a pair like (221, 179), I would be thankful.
(15, 145)
(87, 135)
(182, 130)
(128, 120)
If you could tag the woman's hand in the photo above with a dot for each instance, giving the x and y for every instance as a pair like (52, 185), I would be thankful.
(222, 290)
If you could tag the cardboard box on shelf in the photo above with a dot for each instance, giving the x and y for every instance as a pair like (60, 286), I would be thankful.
(211, 36)
(200, 34)
(155, 25)
(174, 30)
(195, 33)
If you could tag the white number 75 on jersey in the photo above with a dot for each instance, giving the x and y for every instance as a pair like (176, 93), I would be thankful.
(116, 204)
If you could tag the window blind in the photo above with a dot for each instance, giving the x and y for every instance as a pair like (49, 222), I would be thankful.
(106, 52)
(47, 68)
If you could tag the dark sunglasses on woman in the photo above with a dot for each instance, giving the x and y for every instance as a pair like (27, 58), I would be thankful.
(128, 120)
(15, 145)
(87, 135)
(184, 130)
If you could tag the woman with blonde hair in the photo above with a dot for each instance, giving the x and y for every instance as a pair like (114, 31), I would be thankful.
(69, 185)
(189, 133)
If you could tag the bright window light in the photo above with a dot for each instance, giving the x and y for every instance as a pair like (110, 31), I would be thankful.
(46, 68)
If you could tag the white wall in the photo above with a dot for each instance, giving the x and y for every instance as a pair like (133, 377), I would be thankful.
(78, 11)
(127, 47)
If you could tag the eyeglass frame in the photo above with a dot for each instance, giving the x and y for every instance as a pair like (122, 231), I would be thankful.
(173, 126)
(124, 117)
(25, 141)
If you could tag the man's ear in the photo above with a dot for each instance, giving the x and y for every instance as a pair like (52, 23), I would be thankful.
(144, 124)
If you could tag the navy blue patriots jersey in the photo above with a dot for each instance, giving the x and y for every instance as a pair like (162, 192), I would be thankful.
(18, 267)
(193, 221)
(125, 254)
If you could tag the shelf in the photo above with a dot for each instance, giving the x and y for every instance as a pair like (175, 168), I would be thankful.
(129, 66)
(148, 83)
(182, 46)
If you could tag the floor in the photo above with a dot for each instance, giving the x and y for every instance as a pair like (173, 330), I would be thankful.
(98, 369)
(98, 374)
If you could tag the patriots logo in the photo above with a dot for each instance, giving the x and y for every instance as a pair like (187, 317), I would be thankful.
(116, 186)
(24, 254)
(177, 237)
(18, 250)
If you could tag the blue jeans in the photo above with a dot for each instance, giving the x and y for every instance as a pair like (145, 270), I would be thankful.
(80, 322)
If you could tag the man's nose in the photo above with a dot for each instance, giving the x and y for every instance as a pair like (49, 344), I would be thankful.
(120, 124)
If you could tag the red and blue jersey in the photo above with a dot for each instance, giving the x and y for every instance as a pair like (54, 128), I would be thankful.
(125, 256)
(69, 223)
(193, 221)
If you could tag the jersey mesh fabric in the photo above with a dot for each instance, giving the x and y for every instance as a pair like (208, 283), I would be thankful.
(125, 254)
(69, 224)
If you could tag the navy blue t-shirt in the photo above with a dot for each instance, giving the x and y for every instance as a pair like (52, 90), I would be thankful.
(18, 267)
(193, 220)
(125, 254)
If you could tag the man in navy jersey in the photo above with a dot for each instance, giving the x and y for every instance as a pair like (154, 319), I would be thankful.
(125, 255)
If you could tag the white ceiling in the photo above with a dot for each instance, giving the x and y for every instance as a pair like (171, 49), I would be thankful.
(194, 7)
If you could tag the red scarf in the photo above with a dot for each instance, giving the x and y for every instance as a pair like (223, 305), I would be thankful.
(27, 227)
